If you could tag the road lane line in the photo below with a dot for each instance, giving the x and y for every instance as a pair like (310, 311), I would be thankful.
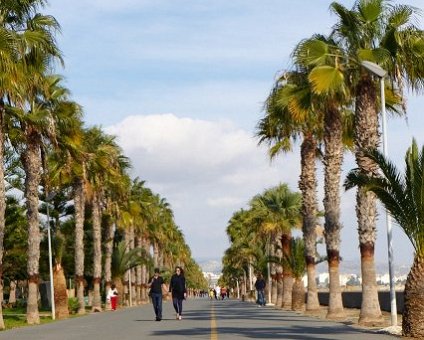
(214, 334)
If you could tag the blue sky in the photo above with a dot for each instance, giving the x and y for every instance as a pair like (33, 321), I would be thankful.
(182, 84)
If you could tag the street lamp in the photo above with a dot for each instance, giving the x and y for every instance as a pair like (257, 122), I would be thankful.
(381, 73)
(48, 198)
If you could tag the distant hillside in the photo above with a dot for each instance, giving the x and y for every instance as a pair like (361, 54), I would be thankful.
(354, 267)
(211, 266)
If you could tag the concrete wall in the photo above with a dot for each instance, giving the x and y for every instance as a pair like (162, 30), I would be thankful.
(354, 300)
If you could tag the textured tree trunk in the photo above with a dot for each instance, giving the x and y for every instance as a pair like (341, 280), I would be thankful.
(79, 203)
(308, 187)
(298, 298)
(132, 270)
(2, 214)
(108, 246)
(370, 314)
(333, 159)
(279, 273)
(144, 272)
(287, 273)
(335, 303)
(139, 245)
(60, 293)
(413, 313)
(155, 255)
(97, 253)
(32, 165)
(274, 281)
(367, 137)
(12, 293)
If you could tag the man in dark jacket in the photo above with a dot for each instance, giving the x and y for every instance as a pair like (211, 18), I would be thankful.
(156, 283)
(260, 285)
(177, 287)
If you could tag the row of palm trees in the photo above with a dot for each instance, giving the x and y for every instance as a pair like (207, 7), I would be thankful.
(327, 98)
(43, 130)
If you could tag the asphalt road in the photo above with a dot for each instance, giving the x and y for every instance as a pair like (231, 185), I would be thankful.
(202, 319)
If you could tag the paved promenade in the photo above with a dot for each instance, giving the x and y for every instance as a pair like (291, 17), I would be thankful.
(202, 319)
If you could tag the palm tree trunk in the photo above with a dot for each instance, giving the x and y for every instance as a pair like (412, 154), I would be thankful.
(132, 270)
(155, 255)
(335, 303)
(2, 212)
(127, 240)
(287, 273)
(144, 272)
(279, 273)
(139, 244)
(333, 160)
(97, 253)
(60, 293)
(366, 138)
(108, 256)
(79, 203)
(32, 165)
(274, 281)
(413, 313)
(308, 187)
(298, 296)
(12, 293)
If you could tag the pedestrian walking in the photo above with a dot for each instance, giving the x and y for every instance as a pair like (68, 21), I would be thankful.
(177, 287)
(112, 297)
(156, 285)
(260, 285)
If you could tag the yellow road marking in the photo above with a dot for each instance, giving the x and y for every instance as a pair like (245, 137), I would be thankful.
(214, 334)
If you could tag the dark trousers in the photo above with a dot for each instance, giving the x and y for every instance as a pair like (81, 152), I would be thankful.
(261, 297)
(178, 305)
(157, 304)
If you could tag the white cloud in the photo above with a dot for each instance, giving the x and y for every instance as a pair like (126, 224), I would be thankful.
(206, 169)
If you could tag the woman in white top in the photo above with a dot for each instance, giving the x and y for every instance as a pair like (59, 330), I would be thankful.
(112, 296)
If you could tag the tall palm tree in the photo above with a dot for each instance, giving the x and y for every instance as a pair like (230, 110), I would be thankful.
(289, 117)
(401, 195)
(103, 165)
(24, 34)
(376, 31)
(332, 102)
(278, 209)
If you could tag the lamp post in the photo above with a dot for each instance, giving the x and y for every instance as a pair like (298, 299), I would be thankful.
(48, 198)
(381, 73)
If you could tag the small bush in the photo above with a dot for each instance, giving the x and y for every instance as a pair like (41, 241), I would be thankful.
(73, 305)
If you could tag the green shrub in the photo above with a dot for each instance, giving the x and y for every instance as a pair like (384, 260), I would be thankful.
(73, 305)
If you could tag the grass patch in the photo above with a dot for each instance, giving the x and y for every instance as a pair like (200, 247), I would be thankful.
(16, 317)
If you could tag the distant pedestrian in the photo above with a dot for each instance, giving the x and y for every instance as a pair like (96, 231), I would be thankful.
(112, 297)
(156, 285)
(211, 293)
(223, 293)
(218, 292)
(260, 285)
(177, 287)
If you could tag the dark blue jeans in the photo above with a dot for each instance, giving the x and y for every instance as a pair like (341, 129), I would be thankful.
(178, 305)
(261, 297)
(157, 304)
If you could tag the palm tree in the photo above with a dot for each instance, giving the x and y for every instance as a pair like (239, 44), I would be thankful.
(290, 116)
(124, 260)
(401, 195)
(103, 165)
(295, 260)
(24, 36)
(376, 31)
(337, 120)
(278, 210)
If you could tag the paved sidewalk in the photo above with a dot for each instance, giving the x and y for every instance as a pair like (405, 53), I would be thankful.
(202, 319)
